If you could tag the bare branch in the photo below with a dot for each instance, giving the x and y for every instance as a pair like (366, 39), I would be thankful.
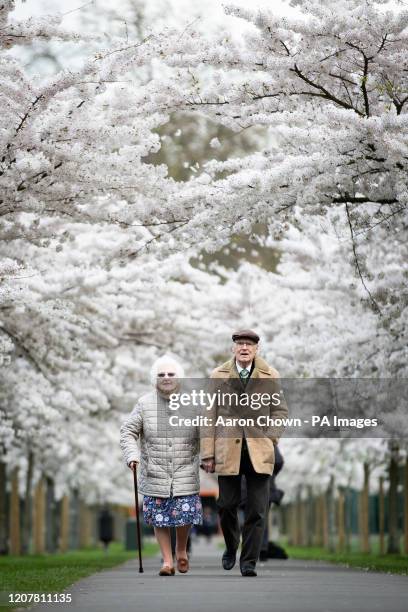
(364, 87)
(395, 212)
(325, 92)
(361, 200)
(357, 263)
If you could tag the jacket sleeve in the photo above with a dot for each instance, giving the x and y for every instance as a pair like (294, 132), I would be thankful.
(207, 443)
(279, 411)
(130, 435)
(207, 432)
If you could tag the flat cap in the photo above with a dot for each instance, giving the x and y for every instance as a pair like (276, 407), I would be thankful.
(245, 334)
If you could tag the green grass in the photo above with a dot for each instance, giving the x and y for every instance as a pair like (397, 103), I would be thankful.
(396, 564)
(51, 573)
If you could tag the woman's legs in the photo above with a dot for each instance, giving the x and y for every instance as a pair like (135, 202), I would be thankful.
(163, 537)
(181, 541)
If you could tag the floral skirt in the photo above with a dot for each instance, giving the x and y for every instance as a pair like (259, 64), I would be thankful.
(172, 511)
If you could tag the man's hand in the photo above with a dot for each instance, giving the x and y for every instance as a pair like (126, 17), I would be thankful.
(208, 465)
(133, 465)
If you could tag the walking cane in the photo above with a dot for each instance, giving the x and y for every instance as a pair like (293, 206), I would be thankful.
(139, 542)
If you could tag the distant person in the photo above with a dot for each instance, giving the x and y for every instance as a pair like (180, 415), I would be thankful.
(235, 453)
(210, 523)
(269, 549)
(169, 465)
(105, 525)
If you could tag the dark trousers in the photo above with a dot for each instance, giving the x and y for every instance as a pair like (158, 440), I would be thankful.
(255, 510)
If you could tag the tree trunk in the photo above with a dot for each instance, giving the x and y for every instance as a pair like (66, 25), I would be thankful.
(348, 520)
(381, 516)
(74, 521)
(39, 518)
(406, 507)
(85, 525)
(309, 517)
(304, 522)
(28, 508)
(331, 516)
(318, 540)
(292, 522)
(393, 535)
(365, 519)
(51, 518)
(3, 510)
(298, 519)
(64, 524)
(14, 515)
(325, 521)
(360, 519)
(341, 527)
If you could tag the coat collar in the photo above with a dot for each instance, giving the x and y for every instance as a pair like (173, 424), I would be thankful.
(231, 371)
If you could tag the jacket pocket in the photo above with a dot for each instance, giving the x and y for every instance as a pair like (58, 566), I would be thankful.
(220, 450)
(269, 452)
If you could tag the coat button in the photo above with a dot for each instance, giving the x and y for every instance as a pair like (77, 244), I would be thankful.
(169, 443)
(237, 441)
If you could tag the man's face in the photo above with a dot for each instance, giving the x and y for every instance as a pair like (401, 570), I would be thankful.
(166, 380)
(244, 351)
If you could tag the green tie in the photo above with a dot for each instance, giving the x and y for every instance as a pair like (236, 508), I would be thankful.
(244, 373)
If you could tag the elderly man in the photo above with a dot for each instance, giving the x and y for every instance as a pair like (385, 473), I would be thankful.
(243, 451)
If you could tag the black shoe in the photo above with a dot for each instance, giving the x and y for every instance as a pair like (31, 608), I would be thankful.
(248, 570)
(228, 560)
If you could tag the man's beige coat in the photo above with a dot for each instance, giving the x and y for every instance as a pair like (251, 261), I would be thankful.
(225, 446)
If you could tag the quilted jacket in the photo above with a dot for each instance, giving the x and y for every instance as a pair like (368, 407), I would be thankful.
(168, 465)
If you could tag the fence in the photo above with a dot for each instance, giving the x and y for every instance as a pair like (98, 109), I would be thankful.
(39, 523)
(337, 517)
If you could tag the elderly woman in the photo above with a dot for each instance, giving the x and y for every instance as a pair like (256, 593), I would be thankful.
(169, 465)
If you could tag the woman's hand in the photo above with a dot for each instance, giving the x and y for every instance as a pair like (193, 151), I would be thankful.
(133, 465)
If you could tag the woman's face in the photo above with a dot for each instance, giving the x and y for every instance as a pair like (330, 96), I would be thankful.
(166, 380)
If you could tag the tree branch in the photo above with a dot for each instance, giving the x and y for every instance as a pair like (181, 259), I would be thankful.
(357, 263)
(361, 200)
(325, 92)
(395, 212)
(25, 351)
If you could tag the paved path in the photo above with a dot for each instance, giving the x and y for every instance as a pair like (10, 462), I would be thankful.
(281, 586)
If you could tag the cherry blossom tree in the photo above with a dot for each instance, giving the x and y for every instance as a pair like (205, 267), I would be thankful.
(97, 276)
(330, 87)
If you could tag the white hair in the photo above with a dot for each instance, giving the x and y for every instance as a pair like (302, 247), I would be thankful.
(166, 360)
